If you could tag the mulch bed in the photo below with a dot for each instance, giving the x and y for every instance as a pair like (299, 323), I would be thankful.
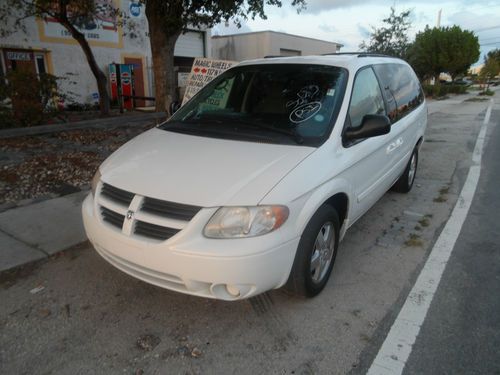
(55, 164)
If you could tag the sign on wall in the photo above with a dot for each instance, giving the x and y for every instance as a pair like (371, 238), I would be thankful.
(18, 56)
(103, 29)
(202, 72)
(135, 9)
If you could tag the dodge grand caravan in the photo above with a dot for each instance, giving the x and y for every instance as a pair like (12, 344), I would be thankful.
(251, 185)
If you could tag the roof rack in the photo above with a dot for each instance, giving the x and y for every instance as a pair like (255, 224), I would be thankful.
(359, 54)
(273, 56)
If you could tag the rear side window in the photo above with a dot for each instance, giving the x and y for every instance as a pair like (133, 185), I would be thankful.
(366, 98)
(401, 88)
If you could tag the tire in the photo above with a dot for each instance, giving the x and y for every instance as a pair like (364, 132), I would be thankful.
(313, 263)
(405, 182)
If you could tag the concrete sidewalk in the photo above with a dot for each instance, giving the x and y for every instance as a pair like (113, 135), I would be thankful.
(37, 231)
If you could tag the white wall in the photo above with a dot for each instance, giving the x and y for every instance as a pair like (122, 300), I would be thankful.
(249, 46)
(68, 60)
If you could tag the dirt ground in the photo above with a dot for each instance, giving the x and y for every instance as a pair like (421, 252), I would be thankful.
(50, 165)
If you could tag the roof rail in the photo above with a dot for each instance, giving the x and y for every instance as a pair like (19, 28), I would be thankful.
(272, 56)
(359, 54)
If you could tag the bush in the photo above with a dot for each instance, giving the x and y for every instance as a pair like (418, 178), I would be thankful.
(487, 92)
(437, 91)
(27, 99)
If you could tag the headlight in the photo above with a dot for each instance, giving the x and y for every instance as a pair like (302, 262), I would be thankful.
(95, 181)
(237, 222)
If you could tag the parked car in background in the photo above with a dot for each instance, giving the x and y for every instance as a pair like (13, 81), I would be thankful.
(252, 184)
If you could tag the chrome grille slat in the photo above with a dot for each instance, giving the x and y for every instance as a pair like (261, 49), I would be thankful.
(117, 195)
(151, 218)
(154, 231)
(169, 209)
(112, 217)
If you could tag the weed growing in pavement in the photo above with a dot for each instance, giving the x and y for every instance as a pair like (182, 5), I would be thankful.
(476, 99)
(414, 241)
(424, 222)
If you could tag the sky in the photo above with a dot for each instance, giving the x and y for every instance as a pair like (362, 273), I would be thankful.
(349, 22)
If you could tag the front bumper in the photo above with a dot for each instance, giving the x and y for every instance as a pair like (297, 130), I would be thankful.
(228, 269)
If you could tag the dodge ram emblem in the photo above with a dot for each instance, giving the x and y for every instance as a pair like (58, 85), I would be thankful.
(130, 215)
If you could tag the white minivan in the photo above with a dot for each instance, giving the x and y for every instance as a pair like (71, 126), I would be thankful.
(251, 185)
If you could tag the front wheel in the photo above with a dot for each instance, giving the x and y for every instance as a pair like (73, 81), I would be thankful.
(315, 254)
(405, 182)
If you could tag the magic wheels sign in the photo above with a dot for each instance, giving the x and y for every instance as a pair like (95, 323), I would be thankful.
(202, 72)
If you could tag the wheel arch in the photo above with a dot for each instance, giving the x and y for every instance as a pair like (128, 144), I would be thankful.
(420, 142)
(335, 195)
(339, 201)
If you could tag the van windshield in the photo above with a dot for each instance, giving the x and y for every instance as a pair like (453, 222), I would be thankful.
(276, 103)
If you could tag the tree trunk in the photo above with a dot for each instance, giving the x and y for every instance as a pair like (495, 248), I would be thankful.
(100, 77)
(162, 51)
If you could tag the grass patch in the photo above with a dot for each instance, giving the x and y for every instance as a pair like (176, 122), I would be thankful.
(476, 99)
(414, 241)
(442, 194)
(444, 190)
(440, 199)
(487, 93)
(424, 222)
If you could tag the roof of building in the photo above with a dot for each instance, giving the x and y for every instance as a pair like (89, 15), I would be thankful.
(276, 32)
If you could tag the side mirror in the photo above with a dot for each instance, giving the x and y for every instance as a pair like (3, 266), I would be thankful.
(174, 107)
(371, 126)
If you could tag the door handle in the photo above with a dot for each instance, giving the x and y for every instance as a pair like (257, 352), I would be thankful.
(394, 145)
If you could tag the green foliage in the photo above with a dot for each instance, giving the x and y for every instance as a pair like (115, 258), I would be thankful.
(14, 12)
(168, 19)
(391, 39)
(70, 14)
(487, 92)
(437, 91)
(491, 66)
(443, 50)
(27, 99)
(180, 14)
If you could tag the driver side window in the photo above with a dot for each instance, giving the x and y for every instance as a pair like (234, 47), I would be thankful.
(366, 98)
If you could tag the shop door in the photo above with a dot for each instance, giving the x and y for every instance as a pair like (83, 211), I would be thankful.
(22, 61)
(138, 79)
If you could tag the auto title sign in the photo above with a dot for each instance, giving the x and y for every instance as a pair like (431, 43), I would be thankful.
(202, 72)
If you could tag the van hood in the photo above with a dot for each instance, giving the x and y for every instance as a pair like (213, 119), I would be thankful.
(200, 171)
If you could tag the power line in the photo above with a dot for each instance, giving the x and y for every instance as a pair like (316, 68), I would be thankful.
(487, 28)
(489, 44)
(486, 39)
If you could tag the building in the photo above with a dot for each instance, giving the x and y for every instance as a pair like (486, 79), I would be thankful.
(259, 44)
(47, 47)
(475, 70)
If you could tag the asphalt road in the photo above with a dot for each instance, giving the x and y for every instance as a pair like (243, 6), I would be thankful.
(75, 314)
(461, 334)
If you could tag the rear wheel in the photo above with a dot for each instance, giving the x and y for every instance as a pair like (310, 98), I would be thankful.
(315, 254)
(405, 182)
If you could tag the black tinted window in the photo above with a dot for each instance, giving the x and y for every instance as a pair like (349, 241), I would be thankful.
(366, 98)
(401, 89)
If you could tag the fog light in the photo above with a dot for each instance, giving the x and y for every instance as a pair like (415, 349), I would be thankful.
(233, 290)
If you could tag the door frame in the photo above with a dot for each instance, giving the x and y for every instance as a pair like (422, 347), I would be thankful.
(124, 55)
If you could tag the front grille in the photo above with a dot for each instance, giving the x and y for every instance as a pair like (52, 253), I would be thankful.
(117, 195)
(112, 217)
(169, 209)
(154, 231)
(164, 211)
